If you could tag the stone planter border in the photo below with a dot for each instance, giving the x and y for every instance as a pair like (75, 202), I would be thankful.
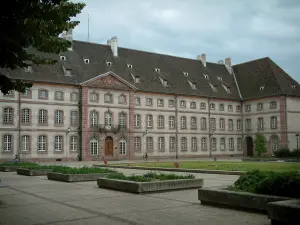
(146, 187)
(75, 177)
(239, 200)
(33, 172)
(8, 168)
(225, 172)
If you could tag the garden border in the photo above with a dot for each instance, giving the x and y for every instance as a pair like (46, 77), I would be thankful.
(33, 172)
(75, 177)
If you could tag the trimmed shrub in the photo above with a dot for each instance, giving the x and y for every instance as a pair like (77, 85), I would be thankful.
(283, 153)
(286, 184)
(82, 170)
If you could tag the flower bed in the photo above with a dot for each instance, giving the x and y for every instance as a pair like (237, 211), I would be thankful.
(12, 167)
(150, 182)
(69, 174)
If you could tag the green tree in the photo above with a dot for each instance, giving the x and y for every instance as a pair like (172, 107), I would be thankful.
(32, 23)
(260, 144)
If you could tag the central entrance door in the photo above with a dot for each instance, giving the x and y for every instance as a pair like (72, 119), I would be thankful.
(109, 146)
(249, 143)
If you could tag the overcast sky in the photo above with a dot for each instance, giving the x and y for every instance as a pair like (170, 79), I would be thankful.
(242, 29)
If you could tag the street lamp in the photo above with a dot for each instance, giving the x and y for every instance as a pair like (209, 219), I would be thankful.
(297, 139)
(68, 131)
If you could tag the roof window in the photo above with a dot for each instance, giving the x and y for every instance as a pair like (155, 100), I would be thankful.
(137, 79)
(206, 76)
(185, 74)
(213, 87)
(293, 86)
(108, 63)
(262, 88)
(63, 58)
(193, 85)
(28, 69)
(86, 61)
(227, 89)
(129, 66)
(157, 70)
(220, 78)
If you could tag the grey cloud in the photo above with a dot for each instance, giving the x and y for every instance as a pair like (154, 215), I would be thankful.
(243, 30)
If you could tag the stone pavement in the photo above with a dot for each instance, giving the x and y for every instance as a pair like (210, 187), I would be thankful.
(38, 201)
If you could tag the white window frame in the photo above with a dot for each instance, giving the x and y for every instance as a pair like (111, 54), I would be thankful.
(183, 122)
(149, 121)
(238, 124)
(194, 144)
(94, 146)
(59, 95)
(137, 101)
(260, 123)
(202, 105)
(222, 124)
(59, 117)
(161, 121)
(108, 98)
(171, 122)
(203, 143)
(231, 144)
(58, 143)
(42, 143)
(122, 146)
(149, 143)
(94, 118)
(222, 144)
(212, 123)
(172, 144)
(122, 119)
(212, 106)
(149, 101)
(25, 116)
(160, 102)
(213, 143)
(221, 107)
(43, 114)
(161, 143)
(7, 143)
(194, 122)
(193, 105)
(230, 124)
(273, 105)
(171, 103)
(203, 123)
(74, 117)
(43, 94)
(137, 143)
(239, 143)
(183, 144)
(8, 115)
(74, 96)
(273, 122)
(74, 143)
(137, 120)
(182, 104)
(25, 142)
(230, 108)
(108, 119)
(122, 99)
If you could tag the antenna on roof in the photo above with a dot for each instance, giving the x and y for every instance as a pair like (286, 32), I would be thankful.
(88, 28)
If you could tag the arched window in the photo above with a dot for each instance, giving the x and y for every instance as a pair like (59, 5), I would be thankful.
(122, 146)
(137, 120)
(94, 146)
(108, 119)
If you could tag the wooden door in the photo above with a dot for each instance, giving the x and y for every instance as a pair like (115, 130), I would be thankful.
(109, 146)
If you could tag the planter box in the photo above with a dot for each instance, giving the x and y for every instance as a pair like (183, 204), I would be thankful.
(233, 199)
(8, 168)
(33, 172)
(75, 177)
(284, 212)
(226, 172)
(146, 187)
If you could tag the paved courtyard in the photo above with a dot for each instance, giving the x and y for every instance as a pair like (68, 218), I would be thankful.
(38, 201)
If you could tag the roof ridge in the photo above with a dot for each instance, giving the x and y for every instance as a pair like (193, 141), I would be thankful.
(251, 61)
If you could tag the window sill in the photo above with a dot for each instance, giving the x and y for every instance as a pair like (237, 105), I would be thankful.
(42, 152)
(42, 124)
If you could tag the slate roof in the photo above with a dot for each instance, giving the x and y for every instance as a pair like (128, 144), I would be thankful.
(249, 75)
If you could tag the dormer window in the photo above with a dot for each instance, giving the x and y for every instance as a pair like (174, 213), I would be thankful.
(137, 79)
(28, 69)
(129, 66)
(108, 63)
(193, 85)
(214, 88)
(63, 58)
(165, 83)
(262, 88)
(157, 70)
(185, 74)
(293, 86)
(220, 78)
(227, 89)
(86, 61)
(206, 76)
(67, 72)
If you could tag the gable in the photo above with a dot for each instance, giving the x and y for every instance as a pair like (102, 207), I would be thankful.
(108, 80)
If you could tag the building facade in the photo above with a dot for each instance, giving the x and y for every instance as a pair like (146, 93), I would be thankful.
(105, 102)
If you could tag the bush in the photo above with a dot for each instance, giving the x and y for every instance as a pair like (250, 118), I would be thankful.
(294, 153)
(82, 170)
(283, 153)
(149, 177)
(285, 184)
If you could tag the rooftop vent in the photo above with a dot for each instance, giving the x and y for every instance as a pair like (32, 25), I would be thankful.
(86, 61)
(129, 66)
(108, 63)
(185, 74)
(262, 88)
(63, 58)
(157, 70)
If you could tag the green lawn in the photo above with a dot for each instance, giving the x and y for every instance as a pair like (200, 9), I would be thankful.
(219, 165)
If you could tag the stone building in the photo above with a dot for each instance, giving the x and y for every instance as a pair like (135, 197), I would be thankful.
(106, 102)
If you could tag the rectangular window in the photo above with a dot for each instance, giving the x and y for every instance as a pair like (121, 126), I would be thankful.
(202, 105)
(273, 122)
(260, 123)
(149, 101)
(59, 95)
(222, 144)
(230, 124)
(108, 119)
(122, 99)
(239, 143)
(149, 144)
(137, 144)
(58, 117)
(74, 97)
(238, 108)
(94, 119)
(239, 124)
(25, 116)
(8, 115)
(259, 106)
(73, 143)
(230, 108)
(122, 120)
(25, 143)
(193, 123)
(94, 97)
(161, 143)
(122, 147)
(221, 107)
(171, 122)
(248, 124)
(58, 143)
(182, 104)
(183, 122)
(183, 144)
(171, 103)
(137, 101)
(231, 144)
(212, 123)
(213, 146)
(149, 121)
(222, 124)
(248, 108)
(108, 98)
(203, 144)
(203, 123)
(160, 102)
(7, 143)
(172, 144)
(27, 93)
(42, 143)
(94, 146)
(193, 105)
(273, 105)
(43, 94)
(137, 120)
(43, 116)
(161, 122)
(212, 106)
(74, 118)
(194, 144)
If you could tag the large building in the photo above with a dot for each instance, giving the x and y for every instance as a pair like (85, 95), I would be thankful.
(106, 102)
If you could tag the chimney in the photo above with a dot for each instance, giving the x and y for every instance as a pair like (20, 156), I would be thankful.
(202, 58)
(113, 42)
(228, 64)
(68, 35)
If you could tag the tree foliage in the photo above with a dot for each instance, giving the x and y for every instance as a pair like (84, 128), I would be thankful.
(32, 23)
(260, 144)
